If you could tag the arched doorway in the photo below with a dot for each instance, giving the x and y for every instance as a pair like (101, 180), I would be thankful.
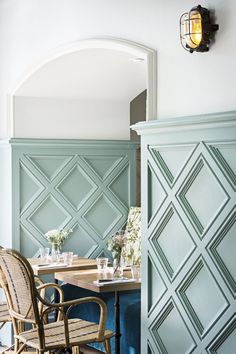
(135, 52)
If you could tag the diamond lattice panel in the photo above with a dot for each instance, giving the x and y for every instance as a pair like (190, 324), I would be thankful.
(84, 187)
(223, 250)
(102, 225)
(202, 182)
(120, 185)
(42, 219)
(81, 241)
(150, 351)
(48, 165)
(171, 334)
(225, 156)
(172, 242)
(171, 160)
(156, 194)
(225, 343)
(103, 165)
(30, 187)
(157, 287)
(202, 298)
(29, 244)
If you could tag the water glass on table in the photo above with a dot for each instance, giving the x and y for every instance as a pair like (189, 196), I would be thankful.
(67, 258)
(102, 263)
(44, 255)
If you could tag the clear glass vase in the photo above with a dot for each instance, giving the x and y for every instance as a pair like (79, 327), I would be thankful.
(118, 268)
(55, 253)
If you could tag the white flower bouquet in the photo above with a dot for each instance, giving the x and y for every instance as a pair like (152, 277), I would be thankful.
(57, 237)
(116, 243)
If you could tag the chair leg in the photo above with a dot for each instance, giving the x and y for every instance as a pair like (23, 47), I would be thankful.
(20, 348)
(16, 345)
(107, 346)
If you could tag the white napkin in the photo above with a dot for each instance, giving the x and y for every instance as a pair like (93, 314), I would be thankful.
(114, 281)
(50, 265)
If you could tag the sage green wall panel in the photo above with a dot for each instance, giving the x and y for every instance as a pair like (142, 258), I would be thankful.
(49, 165)
(80, 184)
(171, 159)
(225, 343)
(76, 187)
(30, 187)
(222, 250)
(157, 287)
(156, 194)
(103, 165)
(169, 326)
(225, 157)
(28, 245)
(119, 186)
(189, 235)
(202, 298)
(172, 242)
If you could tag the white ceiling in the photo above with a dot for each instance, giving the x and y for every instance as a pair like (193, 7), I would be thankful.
(91, 74)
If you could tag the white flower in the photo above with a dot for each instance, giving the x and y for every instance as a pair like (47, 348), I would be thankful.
(57, 236)
(116, 243)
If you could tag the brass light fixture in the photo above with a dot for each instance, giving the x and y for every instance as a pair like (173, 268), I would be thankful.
(196, 29)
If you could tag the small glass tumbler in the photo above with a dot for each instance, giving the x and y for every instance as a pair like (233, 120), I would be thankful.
(67, 258)
(44, 254)
(102, 263)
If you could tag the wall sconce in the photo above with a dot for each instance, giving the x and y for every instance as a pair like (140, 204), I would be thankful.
(196, 29)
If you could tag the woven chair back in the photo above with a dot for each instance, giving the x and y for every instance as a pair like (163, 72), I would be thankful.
(19, 286)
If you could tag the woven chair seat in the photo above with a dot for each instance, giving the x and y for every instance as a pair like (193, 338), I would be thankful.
(80, 332)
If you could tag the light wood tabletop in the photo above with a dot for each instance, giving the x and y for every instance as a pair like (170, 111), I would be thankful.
(85, 279)
(88, 279)
(79, 263)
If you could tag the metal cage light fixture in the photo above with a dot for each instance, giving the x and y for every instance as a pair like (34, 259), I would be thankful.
(196, 29)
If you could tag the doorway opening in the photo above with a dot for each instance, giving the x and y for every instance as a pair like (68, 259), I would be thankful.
(94, 78)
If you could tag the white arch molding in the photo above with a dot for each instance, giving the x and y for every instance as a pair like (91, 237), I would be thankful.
(133, 48)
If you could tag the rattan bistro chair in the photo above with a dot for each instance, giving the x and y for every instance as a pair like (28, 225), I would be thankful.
(41, 287)
(4, 313)
(23, 301)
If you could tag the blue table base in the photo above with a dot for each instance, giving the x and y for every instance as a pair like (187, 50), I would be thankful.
(129, 315)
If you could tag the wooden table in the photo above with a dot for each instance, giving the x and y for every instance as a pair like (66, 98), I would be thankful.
(85, 279)
(79, 263)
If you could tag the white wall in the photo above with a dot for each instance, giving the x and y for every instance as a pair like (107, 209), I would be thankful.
(187, 83)
(70, 118)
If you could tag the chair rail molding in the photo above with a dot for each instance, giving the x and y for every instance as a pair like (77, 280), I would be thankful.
(123, 45)
(188, 177)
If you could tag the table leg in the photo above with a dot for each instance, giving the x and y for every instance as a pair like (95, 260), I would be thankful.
(117, 322)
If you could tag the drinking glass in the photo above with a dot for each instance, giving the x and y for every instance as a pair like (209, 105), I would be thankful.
(44, 254)
(102, 264)
(68, 258)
